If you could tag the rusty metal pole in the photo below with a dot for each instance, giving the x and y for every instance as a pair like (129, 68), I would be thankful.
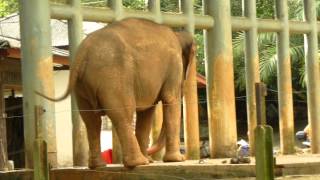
(79, 133)
(284, 81)
(313, 75)
(3, 134)
(220, 81)
(154, 7)
(116, 6)
(252, 68)
(37, 74)
(190, 100)
(156, 128)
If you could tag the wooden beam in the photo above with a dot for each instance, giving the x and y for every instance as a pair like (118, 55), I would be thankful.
(16, 53)
(3, 135)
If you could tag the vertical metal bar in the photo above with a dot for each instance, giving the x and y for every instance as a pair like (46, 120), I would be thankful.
(154, 7)
(252, 68)
(187, 9)
(80, 142)
(156, 128)
(116, 148)
(190, 100)
(312, 72)
(220, 85)
(37, 73)
(3, 133)
(284, 81)
(117, 7)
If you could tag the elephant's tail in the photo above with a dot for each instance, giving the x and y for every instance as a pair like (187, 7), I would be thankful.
(74, 74)
(160, 142)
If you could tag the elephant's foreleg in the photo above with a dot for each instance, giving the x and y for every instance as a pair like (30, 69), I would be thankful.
(143, 128)
(171, 118)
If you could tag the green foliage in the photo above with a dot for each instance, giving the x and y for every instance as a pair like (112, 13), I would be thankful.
(135, 4)
(95, 3)
(169, 5)
(8, 6)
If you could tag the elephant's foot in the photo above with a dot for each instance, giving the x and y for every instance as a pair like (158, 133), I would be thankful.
(150, 159)
(96, 162)
(173, 157)
(133, 161)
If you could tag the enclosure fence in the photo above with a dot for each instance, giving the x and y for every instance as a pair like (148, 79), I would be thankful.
(218, 25)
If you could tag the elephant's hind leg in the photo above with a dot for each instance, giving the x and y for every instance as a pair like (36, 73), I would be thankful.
(92, 121)
(143, 128)
(171, 118)
(122, 117)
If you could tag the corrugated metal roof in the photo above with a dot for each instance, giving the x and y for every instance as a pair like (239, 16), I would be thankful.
(10, 31)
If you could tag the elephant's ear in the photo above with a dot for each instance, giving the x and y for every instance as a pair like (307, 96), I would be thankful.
(188, 47)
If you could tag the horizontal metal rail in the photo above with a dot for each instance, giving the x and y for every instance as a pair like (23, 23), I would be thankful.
(108, 15)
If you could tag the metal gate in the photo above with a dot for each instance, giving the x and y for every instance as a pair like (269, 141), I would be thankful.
(218, 25)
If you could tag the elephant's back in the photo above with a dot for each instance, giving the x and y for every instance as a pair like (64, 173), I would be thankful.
(137, 53)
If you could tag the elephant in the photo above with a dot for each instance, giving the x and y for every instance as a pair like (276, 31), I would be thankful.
(126, 67)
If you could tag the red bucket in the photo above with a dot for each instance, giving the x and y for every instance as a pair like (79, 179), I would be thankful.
(107, 156)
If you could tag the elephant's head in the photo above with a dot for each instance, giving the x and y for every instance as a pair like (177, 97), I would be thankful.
(188, 46)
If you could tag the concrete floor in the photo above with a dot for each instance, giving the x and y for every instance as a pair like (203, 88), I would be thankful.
(287, 167)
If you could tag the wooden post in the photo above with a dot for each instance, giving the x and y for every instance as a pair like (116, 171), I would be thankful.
(156, 128)
(264, 152)
(3, 135)
(116, 148)
(40, 154)
(261, 92)
(263, 135)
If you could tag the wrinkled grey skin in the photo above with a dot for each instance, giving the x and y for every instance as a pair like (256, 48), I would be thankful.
(125, 67)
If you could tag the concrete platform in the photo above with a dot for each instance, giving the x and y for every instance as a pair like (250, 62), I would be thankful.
(287, 167)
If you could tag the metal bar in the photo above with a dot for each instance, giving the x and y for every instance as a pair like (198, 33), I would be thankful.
(269, 25)
(190, 100)
(79, 137)
(284, 81)
(3, 133)
(117, 7)
(312, 68)
(157, 121)
(106, 15)
(37, 74)
(116, 148)
(154, 8)
(252, 68)
(220, 81)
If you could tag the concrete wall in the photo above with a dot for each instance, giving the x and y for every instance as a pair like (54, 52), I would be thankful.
(63, 120)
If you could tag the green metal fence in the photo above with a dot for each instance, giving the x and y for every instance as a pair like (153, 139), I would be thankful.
(218, 25)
